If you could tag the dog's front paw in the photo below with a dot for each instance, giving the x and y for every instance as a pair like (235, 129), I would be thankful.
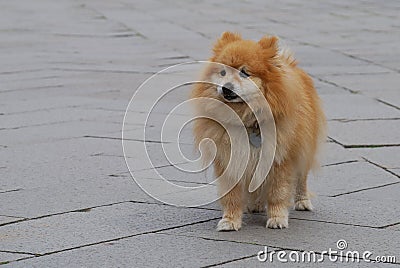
(226, 224)
(278, 222)
(304, 204)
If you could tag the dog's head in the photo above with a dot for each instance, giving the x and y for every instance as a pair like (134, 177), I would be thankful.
(251, 65)
(247, 70)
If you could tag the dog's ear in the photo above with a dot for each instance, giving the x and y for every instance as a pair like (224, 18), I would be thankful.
(226, 38)
(270, 44)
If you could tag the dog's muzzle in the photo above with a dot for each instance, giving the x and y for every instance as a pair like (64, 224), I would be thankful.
(227, 92)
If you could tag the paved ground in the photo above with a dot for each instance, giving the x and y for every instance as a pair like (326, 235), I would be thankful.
(68, 70)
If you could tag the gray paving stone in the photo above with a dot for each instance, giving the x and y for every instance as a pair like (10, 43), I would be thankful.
(151, 155)
(48, 184)
(59, 197)
(6, 257)
(367, 208)
(375, 132)
(301, 235)
(329, 181)
(376, 85)
(7, 219)
(43, 117)
(333, 153)
(396, 171)
(101, 224)
(55, 132)
(150, 30)
(110, 104)
(359, 70)
(254, 262)
(341, 107)
(337, 209)
(158, 133)
(311, 58)
(84, 158)
(394, 227)
(324, 88)
(150, 250)
(391, 98)
(11, 104)
(374, 207)
(340, 179)
(387, 157)
(180, 173)
(76, 90)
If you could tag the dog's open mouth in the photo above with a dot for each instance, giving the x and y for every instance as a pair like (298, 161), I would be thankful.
(229, 94)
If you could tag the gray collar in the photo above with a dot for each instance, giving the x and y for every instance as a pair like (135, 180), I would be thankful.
(254, 135)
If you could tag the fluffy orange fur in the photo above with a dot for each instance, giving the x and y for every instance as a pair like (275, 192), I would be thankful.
(300, 130)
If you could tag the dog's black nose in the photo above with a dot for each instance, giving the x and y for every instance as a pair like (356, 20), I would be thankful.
(227, 91)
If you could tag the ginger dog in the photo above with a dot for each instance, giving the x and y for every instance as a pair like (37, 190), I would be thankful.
(299, 120)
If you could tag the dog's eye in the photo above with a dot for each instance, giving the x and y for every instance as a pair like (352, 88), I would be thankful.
(222, 73)
(243, 73)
